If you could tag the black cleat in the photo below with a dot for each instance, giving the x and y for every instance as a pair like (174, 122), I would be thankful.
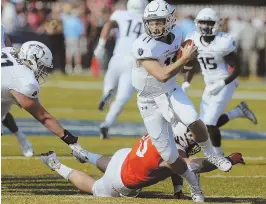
(179, 195)
(106, 100)
(104, 133)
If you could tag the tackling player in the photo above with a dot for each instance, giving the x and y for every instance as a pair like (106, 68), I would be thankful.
(8, 120)
(216, 52)
(128, 170)
(20, 76)
(118, 75)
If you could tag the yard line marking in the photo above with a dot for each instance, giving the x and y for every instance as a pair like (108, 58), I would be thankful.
(259, 158)
(226, 177)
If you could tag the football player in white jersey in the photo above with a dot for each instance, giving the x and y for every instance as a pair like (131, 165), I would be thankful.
(8, 120)
(20, 76)
(118, 75)
(216, 52)
(160, 100)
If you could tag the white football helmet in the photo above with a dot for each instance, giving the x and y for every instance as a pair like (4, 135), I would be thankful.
(38, 58)
(137, 6)
(159, 10)
(207, 22)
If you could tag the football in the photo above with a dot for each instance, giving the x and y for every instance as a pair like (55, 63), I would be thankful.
(179, 54)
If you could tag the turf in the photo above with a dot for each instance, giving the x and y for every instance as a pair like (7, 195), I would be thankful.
(30, 181)
(80, 96)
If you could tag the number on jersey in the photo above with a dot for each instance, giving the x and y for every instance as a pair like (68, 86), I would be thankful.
(5, 62)
(208, 62)
(137, 28)
(143, 146)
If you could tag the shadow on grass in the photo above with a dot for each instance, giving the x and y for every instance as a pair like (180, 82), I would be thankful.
(56, 185)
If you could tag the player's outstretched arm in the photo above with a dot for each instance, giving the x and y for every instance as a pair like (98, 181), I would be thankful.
(33, 106)
(163, 74)
(100, 49)
(232, 60)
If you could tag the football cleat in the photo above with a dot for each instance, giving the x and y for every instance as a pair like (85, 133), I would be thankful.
(104, 133)
(236, 158)
(50, 160)
(221, 162)
(243, 106)
(106, 100)
(197, 194)
(26, 147)
(179, 195)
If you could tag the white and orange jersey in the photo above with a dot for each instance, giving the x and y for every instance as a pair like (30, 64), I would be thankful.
(141, 166)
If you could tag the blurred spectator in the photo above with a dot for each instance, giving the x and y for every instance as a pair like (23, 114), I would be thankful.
(73, 30)
(187, 25)
(9, 16)
(247, 42)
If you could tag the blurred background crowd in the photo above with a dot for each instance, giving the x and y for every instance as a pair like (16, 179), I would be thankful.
(71, 29)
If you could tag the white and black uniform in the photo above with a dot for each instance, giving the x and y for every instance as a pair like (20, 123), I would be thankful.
(15, 76)
(161, 104)
(214, 68)
(119, 71)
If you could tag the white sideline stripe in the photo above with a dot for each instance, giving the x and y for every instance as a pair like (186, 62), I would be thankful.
(254, 95)
(227, 177)
(259, 158)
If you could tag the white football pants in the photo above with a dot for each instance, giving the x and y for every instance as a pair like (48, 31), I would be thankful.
(160, 113)
(118, 76)
(212, 107)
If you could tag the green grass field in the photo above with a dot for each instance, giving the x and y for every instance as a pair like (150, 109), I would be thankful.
(30, 181)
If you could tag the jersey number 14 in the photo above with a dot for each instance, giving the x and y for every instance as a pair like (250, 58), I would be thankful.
(136, 29)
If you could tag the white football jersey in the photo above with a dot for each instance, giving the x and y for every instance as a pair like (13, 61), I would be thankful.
(147, 47)
(211, 56)
(130, 27)
(16, 76)
(2, 36)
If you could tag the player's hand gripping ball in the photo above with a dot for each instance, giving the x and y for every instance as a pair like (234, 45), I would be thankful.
(191, 62)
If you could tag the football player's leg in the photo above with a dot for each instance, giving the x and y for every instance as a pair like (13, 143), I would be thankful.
(161, 134)
(124, 93)
(9, 122)
(240, 111)
(110, 82)
(187, 114)
(80, 179)
(100, 161)
(212, 110)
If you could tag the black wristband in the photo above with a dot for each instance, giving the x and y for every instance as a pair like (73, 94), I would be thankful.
(69, 138)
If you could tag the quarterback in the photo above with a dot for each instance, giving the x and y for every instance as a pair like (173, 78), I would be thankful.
(160, 100)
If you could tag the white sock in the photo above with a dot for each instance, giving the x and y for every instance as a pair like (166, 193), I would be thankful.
(218, 150)
(207, 147)
(235, 113)
(190, 178)
(20, 135)
(64, 171)
(93, 158)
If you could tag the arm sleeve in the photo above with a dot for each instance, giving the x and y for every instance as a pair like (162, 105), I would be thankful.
(30, 90)
(115, 16)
